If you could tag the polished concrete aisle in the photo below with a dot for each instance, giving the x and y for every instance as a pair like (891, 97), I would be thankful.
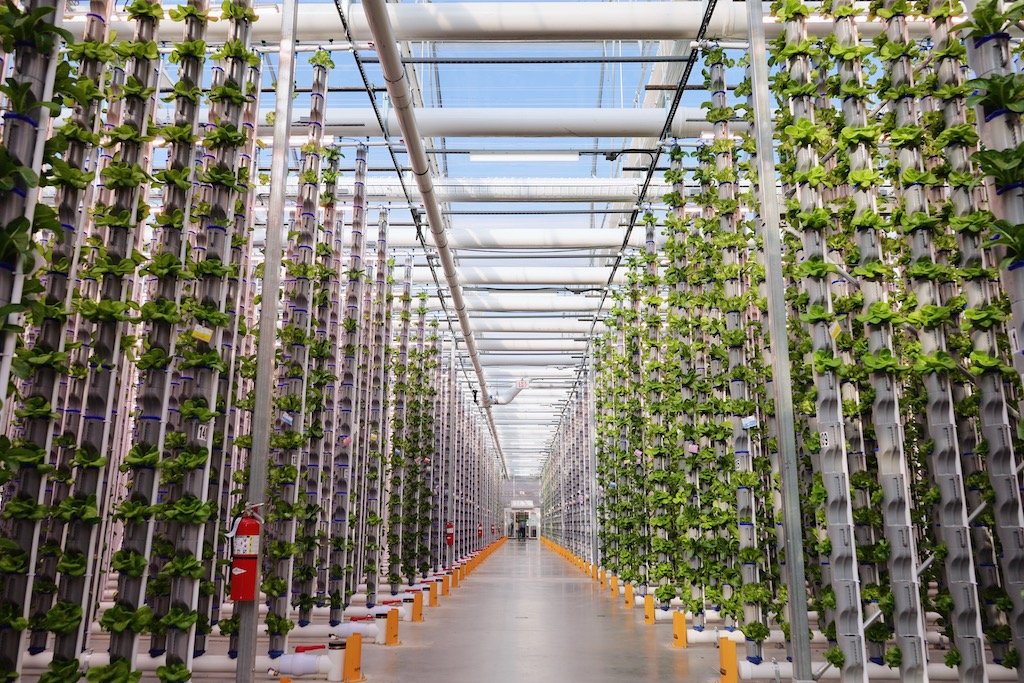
(526, 615)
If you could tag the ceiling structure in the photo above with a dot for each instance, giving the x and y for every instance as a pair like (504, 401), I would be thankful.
(542, 126)
(532, 143)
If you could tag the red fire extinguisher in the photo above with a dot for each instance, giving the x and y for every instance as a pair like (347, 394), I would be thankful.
(245, 554)
(449, 534)
(479, 530)
(492, 529)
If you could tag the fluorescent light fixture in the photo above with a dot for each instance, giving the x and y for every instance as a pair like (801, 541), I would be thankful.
(524, 156)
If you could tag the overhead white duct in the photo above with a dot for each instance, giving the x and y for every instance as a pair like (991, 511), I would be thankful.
(521, 238)
(509, 394)
(528, 275)
(530, 345)
(524, 361)
(528, 122)
(401, 98)
(499, 21)
(463, 190)
(508, 302)
(520, 325)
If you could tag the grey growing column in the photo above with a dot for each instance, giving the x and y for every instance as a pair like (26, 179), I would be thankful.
(341, 550)
(782, 380)
(450, 447)
(375, 418)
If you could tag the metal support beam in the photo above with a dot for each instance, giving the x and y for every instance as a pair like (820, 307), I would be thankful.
(265, 355)
(800, 647)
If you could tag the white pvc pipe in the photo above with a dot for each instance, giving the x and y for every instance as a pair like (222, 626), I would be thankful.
(326, 666)
(507, 302)
(516, 122)
(527, 275)
(368, 630)
(500, 21)
(519, 238)
(876, 672)
(530, 345)
(534, 325)
(525, 361)
(464, 190)
(404, 612)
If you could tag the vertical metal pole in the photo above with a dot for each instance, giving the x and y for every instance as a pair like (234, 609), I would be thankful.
(265, 353)
(783, 384)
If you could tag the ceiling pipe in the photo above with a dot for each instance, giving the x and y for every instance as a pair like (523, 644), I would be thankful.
(477, 190)
(512, 122)
(501, 21)
(525, 275)
(401, 99)
(521, 238)
(568, 325)
(525, 361)
(512, 302)
(531, 345)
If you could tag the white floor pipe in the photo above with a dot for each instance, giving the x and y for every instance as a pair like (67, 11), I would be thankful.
(876, 672)
(369, 630)
(404, 612)
(323, 666)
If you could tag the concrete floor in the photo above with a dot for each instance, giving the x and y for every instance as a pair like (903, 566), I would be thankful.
(527, 615)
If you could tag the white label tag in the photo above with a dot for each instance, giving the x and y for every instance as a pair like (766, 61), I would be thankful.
(749, 422)
(246, 545)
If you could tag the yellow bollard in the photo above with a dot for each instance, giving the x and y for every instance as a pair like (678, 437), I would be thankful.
(417, 606)
(446, 585)
(433, 593)
(679, 629)
(728, 666)
(455, 577)
(649, 609)
(601, 577)
(628, 594)
(613, 584)
(352, 669)
(391, 628)
(593, 572)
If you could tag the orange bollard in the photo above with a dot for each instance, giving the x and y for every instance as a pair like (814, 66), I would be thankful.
(679, 629)
(352, 669)
(728, 666)
(391, 628)
(628, 595)
(649, 609)
(417, 606)
(433, 593)
(613, 585)
(446, 585)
